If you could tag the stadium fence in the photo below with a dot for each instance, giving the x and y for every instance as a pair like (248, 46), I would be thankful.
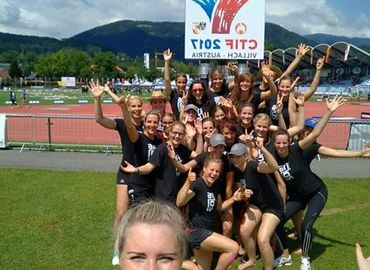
(79, 133)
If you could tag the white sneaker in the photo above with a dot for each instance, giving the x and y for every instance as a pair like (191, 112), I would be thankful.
(283, 261)
(115, 259)
(305, 263)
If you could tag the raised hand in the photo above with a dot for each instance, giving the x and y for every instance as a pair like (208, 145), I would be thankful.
(265, 70)
(320, 63)
(302, 49)
(199, 126)
(185, 97)
(190, 131)
(259, 142)
(95, 88)
(299, 98)
(335, 104)
(279, 104)
(171, 151)
(226, 102)
(208, 136)
(232, 67)
(238, 195)
(291, 88)
(167, 55)
(191, 176)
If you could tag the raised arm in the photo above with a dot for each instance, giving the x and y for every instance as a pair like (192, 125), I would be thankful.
(97, 90)
(270, 165)
(131, 129)
(330, 152)
(316, 79)
(299, 102)
(186, 194)
(182, 168)
(167, 55)
(331, 108)
(272, 86)
(302, 50)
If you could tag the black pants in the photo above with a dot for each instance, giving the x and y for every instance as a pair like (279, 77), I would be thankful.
(315, 203)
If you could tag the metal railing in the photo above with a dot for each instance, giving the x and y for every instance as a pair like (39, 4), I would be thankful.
(80, 132)
(74, 132)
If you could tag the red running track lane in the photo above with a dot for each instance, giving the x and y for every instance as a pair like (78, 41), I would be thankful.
(89, 132)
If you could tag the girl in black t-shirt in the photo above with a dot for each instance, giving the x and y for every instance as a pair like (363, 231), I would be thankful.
(134, 116)
(303, 186)
(181, 80)
(204, 199)
(265, 208)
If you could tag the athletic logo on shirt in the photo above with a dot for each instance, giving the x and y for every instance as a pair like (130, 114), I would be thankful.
(211, 201)
(217, 100)
(151, 148)
(273, 113)
(179, 103)
(178, 158)
(285, 171)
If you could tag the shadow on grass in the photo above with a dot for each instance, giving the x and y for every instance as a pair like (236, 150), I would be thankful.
(318, 248)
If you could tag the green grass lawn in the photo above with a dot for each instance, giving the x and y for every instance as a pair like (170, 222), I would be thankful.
(63, 220)
(48, 96)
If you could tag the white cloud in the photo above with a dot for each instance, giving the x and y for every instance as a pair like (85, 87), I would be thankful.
(65, 18)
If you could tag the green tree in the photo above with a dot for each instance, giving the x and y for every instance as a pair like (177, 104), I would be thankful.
(15, 71)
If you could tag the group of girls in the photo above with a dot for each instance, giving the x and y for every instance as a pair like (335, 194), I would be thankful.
(234, 157)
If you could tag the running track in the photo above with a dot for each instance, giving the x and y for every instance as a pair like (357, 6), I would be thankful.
(87, 131)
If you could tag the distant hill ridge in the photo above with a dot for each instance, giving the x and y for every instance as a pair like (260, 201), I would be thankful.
(134, 38)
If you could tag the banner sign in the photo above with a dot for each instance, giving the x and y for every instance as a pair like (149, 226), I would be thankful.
(3, 133)
(224, 29)
(68, 81)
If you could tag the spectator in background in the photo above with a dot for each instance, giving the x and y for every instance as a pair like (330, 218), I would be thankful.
(24, 97)
(13, 97)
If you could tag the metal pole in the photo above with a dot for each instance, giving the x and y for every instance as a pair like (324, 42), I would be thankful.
(49, 132)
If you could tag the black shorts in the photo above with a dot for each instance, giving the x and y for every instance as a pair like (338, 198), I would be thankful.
(122, 178)
(196, 236)
(277, 212)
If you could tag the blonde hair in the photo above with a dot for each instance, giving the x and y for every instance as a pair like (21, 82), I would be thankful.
(153, 212)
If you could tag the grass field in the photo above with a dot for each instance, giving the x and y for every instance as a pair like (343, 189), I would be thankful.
(62, 220)
(48, 96)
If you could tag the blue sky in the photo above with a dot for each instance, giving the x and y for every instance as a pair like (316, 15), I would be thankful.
(65, 18)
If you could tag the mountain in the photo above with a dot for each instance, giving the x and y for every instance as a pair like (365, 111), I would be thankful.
(330, 39)
(282, 38)
(21, 43)
(134, 38)
(137, 37)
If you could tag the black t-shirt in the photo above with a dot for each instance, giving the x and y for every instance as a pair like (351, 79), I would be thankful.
(271, 111)
(168, 180)
(216, 96)
(256, 99)
(175, 101)
(203, 206)
(311, 152)
(207, 104)
(296, 173)
(226, 167)
(241, 131)
(265, 192)
(144, 149)
(128, 150)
